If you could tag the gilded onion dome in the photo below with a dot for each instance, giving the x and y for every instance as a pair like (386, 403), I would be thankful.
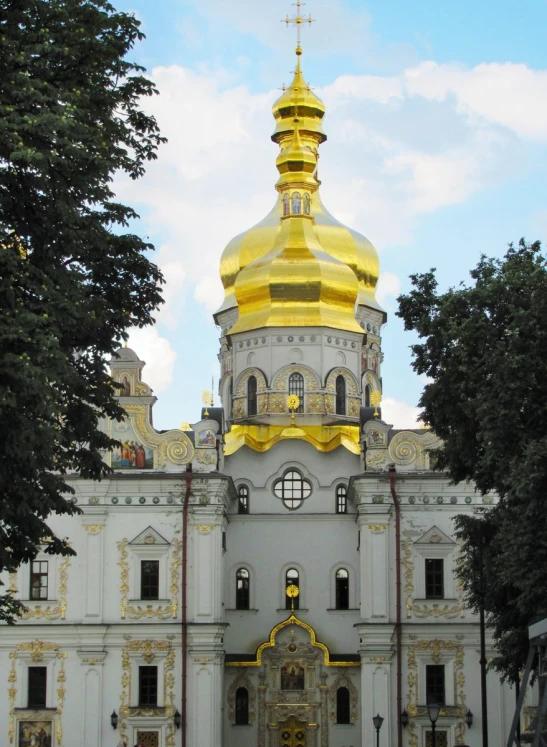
(299, 266)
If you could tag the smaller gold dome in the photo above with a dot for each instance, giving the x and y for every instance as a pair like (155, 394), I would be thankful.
(299, 101)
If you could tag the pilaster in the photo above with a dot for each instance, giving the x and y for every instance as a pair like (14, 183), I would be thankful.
(374, 558)
(205, 530)
(94, 527)
(205, 685)
(92, 688)
(376, 652)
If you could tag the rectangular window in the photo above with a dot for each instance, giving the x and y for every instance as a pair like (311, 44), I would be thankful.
(434, 684)
(38, 579)
(434, 578)
(148, 686)
(150, 579)
(37, 683)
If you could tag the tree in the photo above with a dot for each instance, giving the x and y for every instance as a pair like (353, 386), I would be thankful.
(484, 346)
(73, 278)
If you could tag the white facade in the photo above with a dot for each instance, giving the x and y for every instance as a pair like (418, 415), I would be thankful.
(93, 631)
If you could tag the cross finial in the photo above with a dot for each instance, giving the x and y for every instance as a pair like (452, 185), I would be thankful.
(297, 20)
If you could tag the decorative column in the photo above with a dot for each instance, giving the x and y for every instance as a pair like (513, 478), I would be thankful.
(262, 710)
(324, 690)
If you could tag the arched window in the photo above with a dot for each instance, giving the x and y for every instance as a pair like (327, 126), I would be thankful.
(243, 499)
(342, 589)
(341, 499)
(296, 203)
(251, 396)
(367, 396)
(243, 588)
(242, 706)
(340, 395)
(286, 205)
(342, 706)
(306, 204)
(292, 577)
(296, 386)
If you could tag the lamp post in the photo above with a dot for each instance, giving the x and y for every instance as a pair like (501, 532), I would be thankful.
(177, 719)
(469, 718)
(377, 721)
(433, 710)
(404, 718)
(114, 720)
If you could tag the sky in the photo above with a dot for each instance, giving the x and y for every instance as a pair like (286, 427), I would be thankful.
(437, 152)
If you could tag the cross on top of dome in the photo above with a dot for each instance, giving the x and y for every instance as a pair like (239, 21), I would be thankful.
(297, 20)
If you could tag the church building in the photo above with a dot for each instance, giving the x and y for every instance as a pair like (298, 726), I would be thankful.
(281, 573)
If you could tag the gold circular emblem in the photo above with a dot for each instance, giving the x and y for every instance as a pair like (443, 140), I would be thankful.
(292, 591)
(293, 401)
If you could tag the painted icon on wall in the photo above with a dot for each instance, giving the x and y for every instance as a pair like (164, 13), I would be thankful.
(206, 437)
(292, 676)
(131, 454)
(126, 382)
(35, 733)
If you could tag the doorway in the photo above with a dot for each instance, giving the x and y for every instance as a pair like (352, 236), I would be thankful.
(292, 733)
(148, 738)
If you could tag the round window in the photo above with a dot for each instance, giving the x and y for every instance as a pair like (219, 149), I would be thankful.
(292, 489)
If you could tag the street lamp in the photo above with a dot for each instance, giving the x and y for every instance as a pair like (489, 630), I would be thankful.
(177, 719)
(404, 719)
(469, 718)
(114, 720)
(433, 710)
(377, 721)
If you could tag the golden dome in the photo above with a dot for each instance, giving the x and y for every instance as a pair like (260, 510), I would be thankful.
(299, 266)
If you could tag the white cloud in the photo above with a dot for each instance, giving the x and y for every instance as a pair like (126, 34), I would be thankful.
(400, 414)
(158, 354)
(508, 94)
(388, 288)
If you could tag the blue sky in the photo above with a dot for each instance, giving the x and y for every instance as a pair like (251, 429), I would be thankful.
(437, 132)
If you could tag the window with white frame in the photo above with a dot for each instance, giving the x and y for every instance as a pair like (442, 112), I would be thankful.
(243, 589)
(292, 489)
(341, 499)
(149, 572)
(39, 577)
(434, 567)
(37, 581)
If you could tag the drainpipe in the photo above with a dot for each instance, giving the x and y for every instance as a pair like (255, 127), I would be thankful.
(392, 476)
(188, 479)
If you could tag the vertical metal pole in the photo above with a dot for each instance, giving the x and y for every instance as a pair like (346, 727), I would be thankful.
(482, 627)
(377, 737)
(433, 735)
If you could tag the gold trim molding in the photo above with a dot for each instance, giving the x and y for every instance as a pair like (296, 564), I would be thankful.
(148, 649)
(150, 611)
(261, 438)
(37, 649)
(58, 612)
(270, 643)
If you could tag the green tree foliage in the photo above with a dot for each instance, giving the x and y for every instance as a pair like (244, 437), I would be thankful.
(73, 278)
(484, 346)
